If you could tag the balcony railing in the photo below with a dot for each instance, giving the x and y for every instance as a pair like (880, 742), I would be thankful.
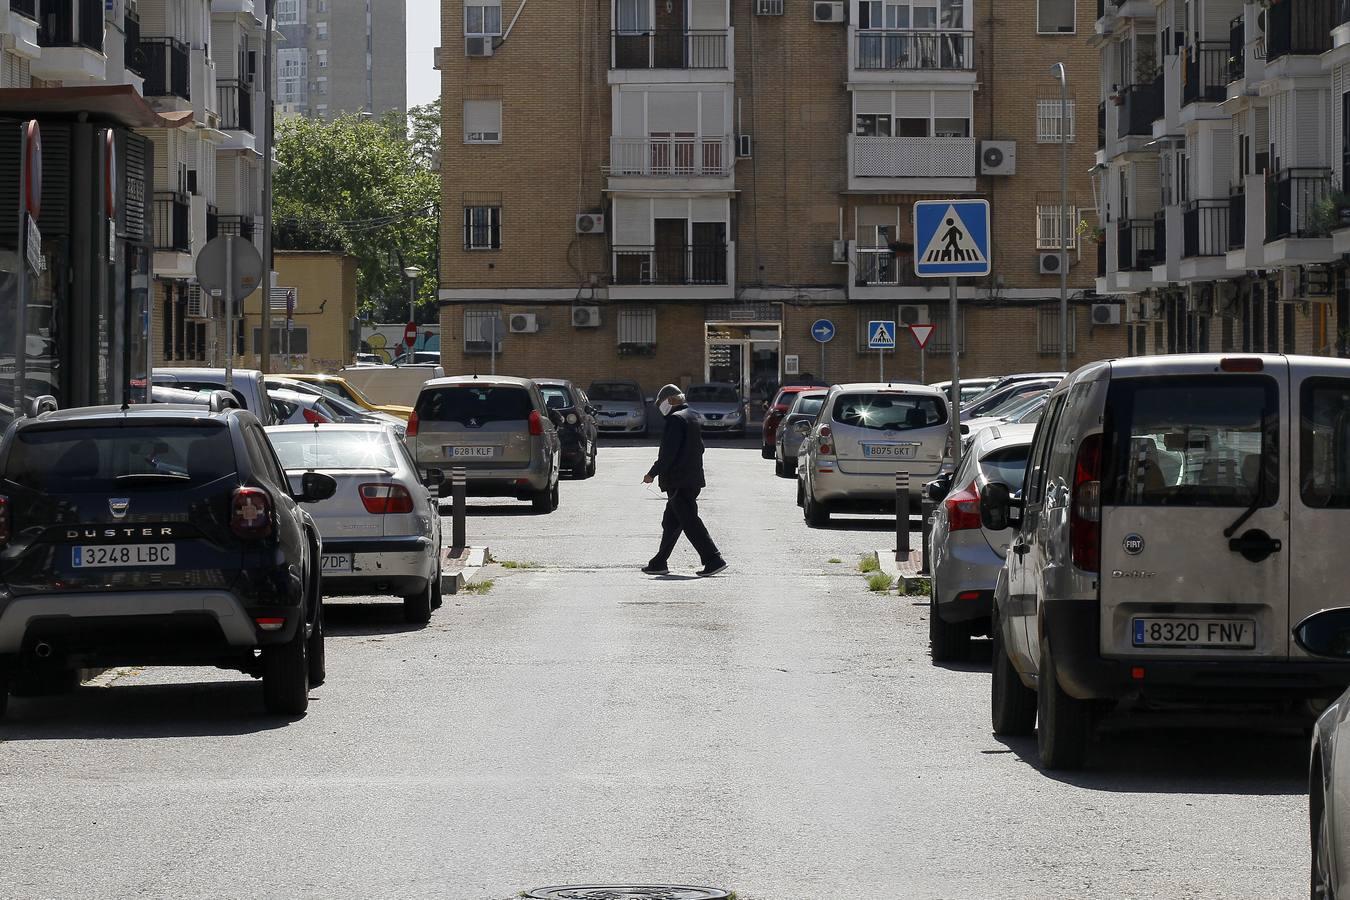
(1291, 198)
(880, 267)
(1237, 48)
(1344, 11)
(166, 67)
(1206, 72)
(913, 157)
(691, 265)
(71, 23)
(234, 101)
(237, 225)
(173, 222)
(1205, 228)
(26, 8)
(1299, 27)
(1134, 245)
(1101, 126)
(1237, 221)
(212, 222)
(668, 48)
(1140, 104)
(131, 36)
(1159, 237)
(914, 50)
(1101, 257)
(687, 157)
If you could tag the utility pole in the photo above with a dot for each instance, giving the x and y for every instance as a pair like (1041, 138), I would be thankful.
(1064, 224)
(268, 136)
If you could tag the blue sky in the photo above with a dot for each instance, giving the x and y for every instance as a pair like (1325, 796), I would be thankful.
(424, 33)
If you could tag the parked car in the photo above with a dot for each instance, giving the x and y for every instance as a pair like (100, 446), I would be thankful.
(578, 432)
(965, 556)
(157, 535)
(391, 385)
(419, 357)
(1155, 555)
(497, 428)
(382, 528)
(1010, 387)
(620, 406)
(970, 387)
(864, 435)
(719, 406)
(1018, 410)
(794, 428)
(344, 389)
(776, 411)
(345, 409)
(295, 408)
(248, 386)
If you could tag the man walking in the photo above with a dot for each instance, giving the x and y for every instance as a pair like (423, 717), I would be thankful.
(678, 471)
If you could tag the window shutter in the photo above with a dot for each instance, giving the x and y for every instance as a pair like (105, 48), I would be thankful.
(483, 118)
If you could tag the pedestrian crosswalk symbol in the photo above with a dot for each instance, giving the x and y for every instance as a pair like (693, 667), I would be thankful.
(954, 237)
(881, 335)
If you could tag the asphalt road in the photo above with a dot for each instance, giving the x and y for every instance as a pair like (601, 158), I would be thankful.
(776, 730)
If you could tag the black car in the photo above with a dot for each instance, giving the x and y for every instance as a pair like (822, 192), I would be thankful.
(159, 535)
(578, 432)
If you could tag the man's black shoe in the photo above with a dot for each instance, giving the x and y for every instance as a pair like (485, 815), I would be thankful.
(650, 569)
(712, 569)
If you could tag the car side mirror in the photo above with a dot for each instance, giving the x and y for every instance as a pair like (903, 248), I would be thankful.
(434, 477)
(802, 428)
(1326, 634)
(996, 506)
(316, 487)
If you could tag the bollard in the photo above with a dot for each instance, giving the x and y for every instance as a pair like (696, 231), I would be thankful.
(926, 506)
(459, 490)
(901, 515)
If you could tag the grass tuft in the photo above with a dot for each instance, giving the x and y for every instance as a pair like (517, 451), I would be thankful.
(478, 587)
(869, 564)
(880, 582)
(834, 560)
(512, 564)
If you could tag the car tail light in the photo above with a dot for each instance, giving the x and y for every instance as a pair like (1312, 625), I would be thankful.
(412, 426)
(314, 418)
(825, 431)
(536, 423)
(963, 509)
(1085, 510)
(251, 513)
(386, 499)
(4, 521)
(270, 623)
(1241, 364)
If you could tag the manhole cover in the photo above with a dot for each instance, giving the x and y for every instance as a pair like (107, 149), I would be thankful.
(627, 892)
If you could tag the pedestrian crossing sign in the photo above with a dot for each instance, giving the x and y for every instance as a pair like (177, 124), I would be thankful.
(952, 237)
(881, 335)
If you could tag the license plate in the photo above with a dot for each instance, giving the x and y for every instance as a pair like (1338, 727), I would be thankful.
(470, 452)
(888, 451)
(122, 556)
(1236, 634)
(332, 563)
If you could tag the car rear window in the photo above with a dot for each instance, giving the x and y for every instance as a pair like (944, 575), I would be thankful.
(1192, 441)
(106, 460)
(1324, 443)
(615, 393)
(465, 404)
(553, 393)
(807, 406)
(1007, 465)
(333, 448)
(889, 412)
(712, 393)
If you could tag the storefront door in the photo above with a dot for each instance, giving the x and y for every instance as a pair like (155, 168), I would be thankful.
(748, 356)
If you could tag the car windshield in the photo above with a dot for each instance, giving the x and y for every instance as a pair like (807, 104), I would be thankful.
(712, 393)
(1006, 465)
(556, 396)
(889, 412)
(1014, 405)
(1031, 413)
(92, 459)
(333, 448)
(807, 405)
(615, 392)
(477, 405)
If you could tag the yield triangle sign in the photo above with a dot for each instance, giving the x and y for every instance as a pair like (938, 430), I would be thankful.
(922, 333)
(952, 242)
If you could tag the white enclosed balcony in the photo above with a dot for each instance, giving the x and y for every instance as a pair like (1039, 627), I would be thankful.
(899, 164)
(71, 35)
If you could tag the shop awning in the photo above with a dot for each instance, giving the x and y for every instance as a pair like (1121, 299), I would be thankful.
(117, 103)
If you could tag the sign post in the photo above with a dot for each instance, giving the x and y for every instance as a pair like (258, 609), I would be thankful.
(921, 333)
(30, 207)
(231, 268)
(952, 239)
(881, 337)
(822, 332)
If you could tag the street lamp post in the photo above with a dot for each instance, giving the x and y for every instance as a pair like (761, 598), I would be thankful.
(1062, 74)
(412, 273)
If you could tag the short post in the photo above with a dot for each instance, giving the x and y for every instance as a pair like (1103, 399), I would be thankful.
(926, 506)
(901, 516)
(459, 483)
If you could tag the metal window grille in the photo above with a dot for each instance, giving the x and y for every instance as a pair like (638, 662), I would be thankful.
(941, 341)
(482, 228)
(1048, 124)
(768, 7)
(1047, 326)
(1049, 223)
(637, 327)
(478, 325)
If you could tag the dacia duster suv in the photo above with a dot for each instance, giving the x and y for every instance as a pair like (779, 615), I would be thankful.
(158, 535)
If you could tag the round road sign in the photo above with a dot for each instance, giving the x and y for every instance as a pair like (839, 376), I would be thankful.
(110, 175)
(32, 150)
(822, 330)
(410, 334)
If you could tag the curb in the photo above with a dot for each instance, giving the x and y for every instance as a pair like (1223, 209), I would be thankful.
(457, 571)
(906, 572)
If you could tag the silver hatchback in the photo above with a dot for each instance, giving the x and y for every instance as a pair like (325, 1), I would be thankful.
(794, 428)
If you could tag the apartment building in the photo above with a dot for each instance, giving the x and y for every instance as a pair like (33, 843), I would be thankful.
(342, 56)
(1222, 161)
(694, 182)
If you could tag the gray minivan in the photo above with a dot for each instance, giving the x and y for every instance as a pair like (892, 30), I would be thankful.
(1180, 517)
(495, 427)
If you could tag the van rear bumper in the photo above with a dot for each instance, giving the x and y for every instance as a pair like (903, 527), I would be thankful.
(1073, 629)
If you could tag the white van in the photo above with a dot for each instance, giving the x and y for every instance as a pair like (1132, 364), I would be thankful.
(1180, 517)
(396, 385)
(249, 388)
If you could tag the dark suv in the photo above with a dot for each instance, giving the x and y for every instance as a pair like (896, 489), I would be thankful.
(158, 535)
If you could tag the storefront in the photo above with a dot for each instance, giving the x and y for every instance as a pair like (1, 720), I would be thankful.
(743, 346)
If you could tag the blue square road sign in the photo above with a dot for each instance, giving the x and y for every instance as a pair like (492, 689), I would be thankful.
(951, 238)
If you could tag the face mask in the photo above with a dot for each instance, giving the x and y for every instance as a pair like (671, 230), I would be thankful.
(664, 407)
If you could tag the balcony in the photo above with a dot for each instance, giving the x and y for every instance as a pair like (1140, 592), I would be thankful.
(1206, 72)
(173, 222)
(212, 222)
(1237, 221)
(1135, 250)
(1160, 237)
(234, 100)
(70, 33)
(1206, 230)
(166, 68)
(1299, 28)
(881, 267)
(1291, 198)
(901, 51)
(1140, 104)
(241, 226)
(1237, 49)
(1101, 126)
(913, 163)
(694, 265)
(131, 30)
(26, 8)
(671, 157)
(669, 48)
(1101, 257)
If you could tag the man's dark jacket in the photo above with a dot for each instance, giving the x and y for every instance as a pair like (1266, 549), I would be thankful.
(680, 463)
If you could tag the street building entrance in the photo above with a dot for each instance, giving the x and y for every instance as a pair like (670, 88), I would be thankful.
(746, 354)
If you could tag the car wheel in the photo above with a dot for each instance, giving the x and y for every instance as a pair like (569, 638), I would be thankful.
(1323, 880)
(1064, 723)
(801, 494)
(318, 668)
(590, 463)
(4, 693)
(947, 642)
(1012, 704)
(766, 452)
(815, 513)
(417, 607)
(286, 676)
(437, 598)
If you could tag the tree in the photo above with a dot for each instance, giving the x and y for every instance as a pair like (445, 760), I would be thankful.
(424, 131)
(359, 185)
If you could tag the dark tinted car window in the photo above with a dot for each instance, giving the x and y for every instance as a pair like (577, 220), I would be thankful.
(620, 393)
(1006, 465)
(712, 393)
(207, 387)
(553, 393)
(94, 460)
(462, 404)
(889, 412)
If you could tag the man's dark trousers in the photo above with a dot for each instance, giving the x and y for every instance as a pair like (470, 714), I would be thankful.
(682, 517)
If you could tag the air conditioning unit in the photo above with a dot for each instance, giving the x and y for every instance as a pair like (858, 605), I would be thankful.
(1226, 302)
(1105, 314)
(1049, 262)
(998, 157)
(197, 307)
(914, 314)
(839, 252)
(590, 223)
(743, 146)
(1290, 285)
(524, 323)
(478, 46)
(826, 12)
(1200, 299)
(1151, 309)
(585, 317)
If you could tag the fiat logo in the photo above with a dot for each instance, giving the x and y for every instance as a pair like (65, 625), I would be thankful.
(1134, 544)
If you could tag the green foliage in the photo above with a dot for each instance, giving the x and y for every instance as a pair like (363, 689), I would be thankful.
(1326, 216)
(869, 564)
(880, 582)
(359, 185)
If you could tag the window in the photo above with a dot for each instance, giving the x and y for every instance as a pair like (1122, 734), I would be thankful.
(482, 228)
(321, 58)
(321, 87)
(290, 12)
(869, 125)
(1048, 125)
(334, 449)
(637, 327)
(1047, 329)
(889, 411)
(1049, 224)
(941, 341)
(482, 19)
(768, 7)
(634, 16)
(299, 341)
(482, 121)
(321, 30)
(465, 404)
(321, 110)
(479, 325)
(1054, 17)
(1324, 443)
(94, 460)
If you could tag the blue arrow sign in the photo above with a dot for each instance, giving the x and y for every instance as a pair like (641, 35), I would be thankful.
(822, 330)
(881, 335)
(951, 238)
